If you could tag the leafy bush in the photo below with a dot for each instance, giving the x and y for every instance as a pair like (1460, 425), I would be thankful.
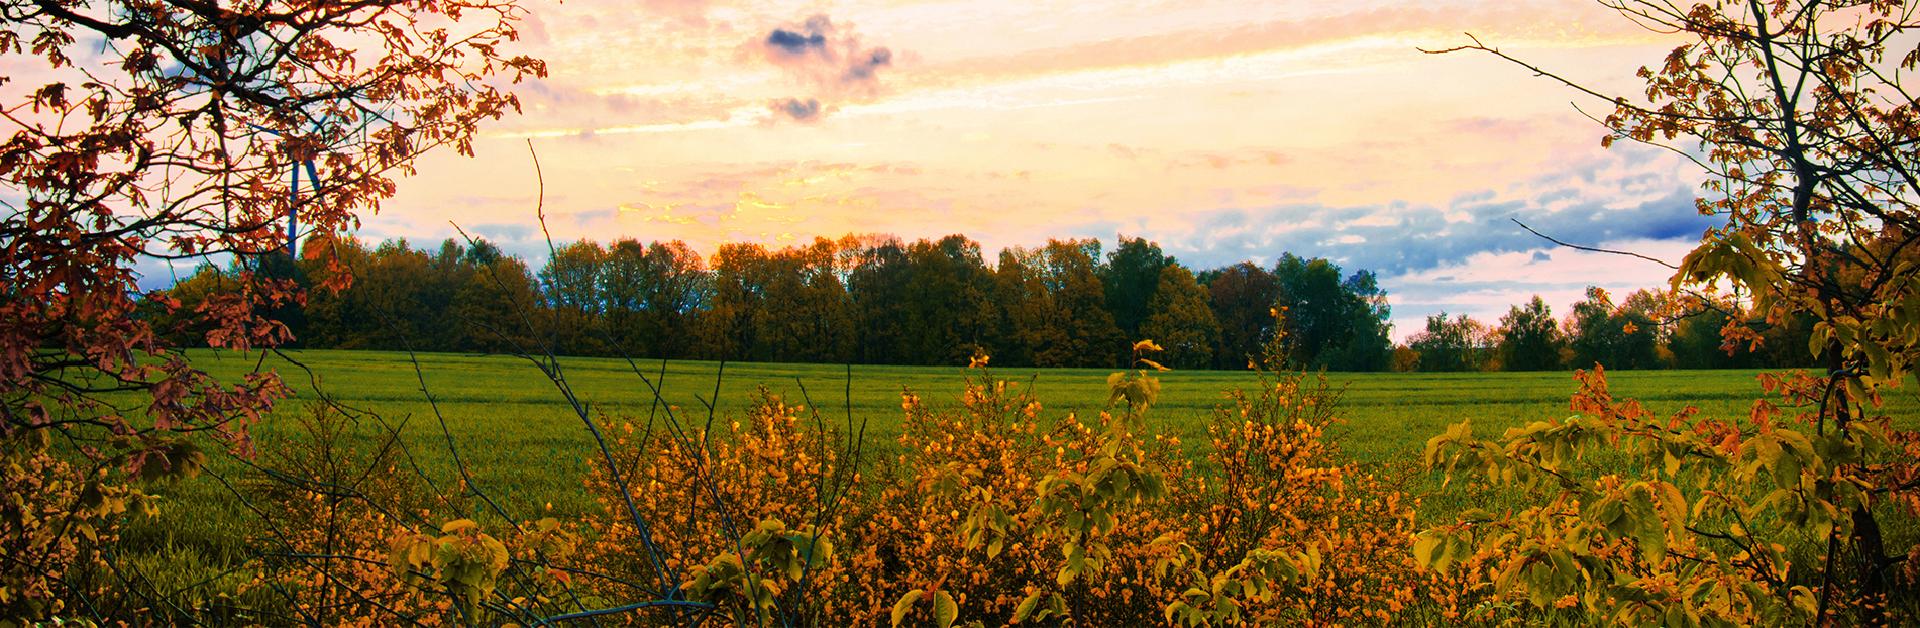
(1683, 519)
(990, 514)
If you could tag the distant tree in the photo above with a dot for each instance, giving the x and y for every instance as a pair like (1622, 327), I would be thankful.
(479, 252)
(1054, 306)
(1645, 312)
(1592, 334)
(1242, 297)
(1405, 359)
(1369, 345)
(728, 328)
(1617, 337)
(1081, 305)
(1331, 322)
(179, 324)
(652, 295)
(623, 285)
(1529, 338)
(571, 278)
(862, 298)
(570, 286)
(676, 289)
(338, 315)
(950, 311)
(497, 303)
(1130, 276)
(1180, 320)
(414, 290)
(801, 314)
(1453, 345)
(1026, 309)
(877, 294)
(1696, 341)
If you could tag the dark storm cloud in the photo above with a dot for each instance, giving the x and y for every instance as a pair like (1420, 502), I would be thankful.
(829, 59)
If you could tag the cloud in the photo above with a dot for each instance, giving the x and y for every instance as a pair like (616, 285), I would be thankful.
(791, 45)
(1485, 285)
(593, 216)
(799, 110)
(559, 109)
(1167, 35)
(862, 68)
(1426, 237)
(687, 12)
(1626, 194)
(502, 232)
(1218, 160)
(828, 59)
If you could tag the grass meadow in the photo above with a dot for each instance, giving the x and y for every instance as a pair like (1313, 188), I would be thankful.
(523, 445)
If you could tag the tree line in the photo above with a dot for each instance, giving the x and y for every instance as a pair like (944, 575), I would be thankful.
(878, 299)
(867, 298)
(1650, 329)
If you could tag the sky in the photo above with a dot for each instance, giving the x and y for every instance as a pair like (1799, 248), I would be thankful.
(1224, 131)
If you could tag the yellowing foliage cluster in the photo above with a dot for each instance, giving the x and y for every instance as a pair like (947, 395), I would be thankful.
(992, 511)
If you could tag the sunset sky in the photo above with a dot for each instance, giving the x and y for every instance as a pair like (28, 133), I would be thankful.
(1222, 130)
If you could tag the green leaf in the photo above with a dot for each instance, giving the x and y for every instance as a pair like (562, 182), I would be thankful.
(905, 605)
(945, 611)
(1025, 609)
(1817, 340)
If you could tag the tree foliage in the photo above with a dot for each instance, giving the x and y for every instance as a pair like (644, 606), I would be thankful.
(1243, 296)
(1625, 336)
(168, 129)
(1331, 321)
(1181, 320)
(1458, 344)
(1809, 141)
(1131, 277)
(1529, 338)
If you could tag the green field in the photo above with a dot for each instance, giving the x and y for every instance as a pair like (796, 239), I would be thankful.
(528, 451)
(526, 448)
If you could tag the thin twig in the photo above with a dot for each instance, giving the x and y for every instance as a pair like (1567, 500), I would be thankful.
(1591, 248)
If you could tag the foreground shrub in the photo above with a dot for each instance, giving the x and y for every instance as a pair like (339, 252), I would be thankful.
(1684, 520)
(51, 528)
(727, 511)
(992, 514)
(339, 498)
